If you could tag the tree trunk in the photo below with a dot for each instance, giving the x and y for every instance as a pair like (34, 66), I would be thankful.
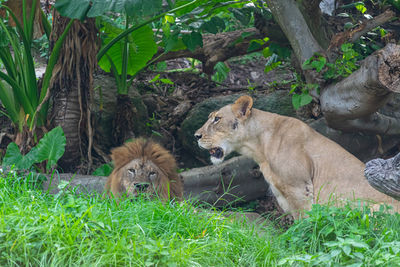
(293, 24)
(384, 175)
(313, 17)
(71, 83)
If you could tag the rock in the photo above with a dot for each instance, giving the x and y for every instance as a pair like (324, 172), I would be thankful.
(278, 102)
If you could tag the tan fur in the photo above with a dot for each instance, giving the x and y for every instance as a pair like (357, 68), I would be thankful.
(301, 166)
(143, 162)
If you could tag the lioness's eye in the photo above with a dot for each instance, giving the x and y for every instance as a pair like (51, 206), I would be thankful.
(216, 119)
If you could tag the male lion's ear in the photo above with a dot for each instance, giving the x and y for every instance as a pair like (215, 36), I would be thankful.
(242, 107)
(119, 156)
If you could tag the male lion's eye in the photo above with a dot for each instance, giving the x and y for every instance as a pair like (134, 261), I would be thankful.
(152, 175)
(216, 119)
(132, 172)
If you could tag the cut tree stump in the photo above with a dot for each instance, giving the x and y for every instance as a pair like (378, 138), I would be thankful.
(236, 180)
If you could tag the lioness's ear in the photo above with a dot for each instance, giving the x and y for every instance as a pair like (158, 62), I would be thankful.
(242, 107)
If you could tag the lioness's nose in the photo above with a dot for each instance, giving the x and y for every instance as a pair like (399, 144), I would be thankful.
(198, 136)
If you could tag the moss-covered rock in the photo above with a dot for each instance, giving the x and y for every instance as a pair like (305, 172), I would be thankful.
(278, 102)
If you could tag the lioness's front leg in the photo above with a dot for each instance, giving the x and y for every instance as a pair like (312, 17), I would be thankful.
(293, 198)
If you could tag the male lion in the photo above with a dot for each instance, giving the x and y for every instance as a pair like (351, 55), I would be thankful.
(143, 166)
(301, 166)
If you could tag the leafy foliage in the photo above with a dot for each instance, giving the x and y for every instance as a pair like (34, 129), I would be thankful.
(343, 66)
(140, 49)
(103, 170)
(193, 40)
(275, 54)
(19, 90)
(395, 3)
(51, 147)
(301, 92)
(344, 236)
(78, 9)
(221, 72)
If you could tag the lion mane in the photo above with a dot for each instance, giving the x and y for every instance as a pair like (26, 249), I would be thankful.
(168, 183)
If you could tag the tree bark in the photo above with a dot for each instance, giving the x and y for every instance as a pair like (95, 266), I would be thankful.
(71, 83)
(236, 180)
(352, 104)
(384, 175)
(293, 24)
(315, 21)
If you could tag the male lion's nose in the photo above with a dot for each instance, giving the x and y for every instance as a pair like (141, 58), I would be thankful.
(141, 186)
(198, 136)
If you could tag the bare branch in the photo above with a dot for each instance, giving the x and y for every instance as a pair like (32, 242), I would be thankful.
(216, 48)
(354, 34)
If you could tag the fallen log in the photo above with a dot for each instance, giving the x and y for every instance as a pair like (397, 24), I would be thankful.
(352, 103)
(236, 180)
(384, 175)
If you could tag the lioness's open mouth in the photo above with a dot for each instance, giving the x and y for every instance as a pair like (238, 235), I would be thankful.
(216, 152)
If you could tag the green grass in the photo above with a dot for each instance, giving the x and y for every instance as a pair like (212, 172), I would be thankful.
(41, 229)
(64, 230)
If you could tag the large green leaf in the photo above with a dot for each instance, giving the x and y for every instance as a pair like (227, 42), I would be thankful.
(12, 156)
(214, 25)
(7, 98)
(141, 47)
(51, 147)
(143, 8)
(193, 40)
(103, 170)
(79, 9)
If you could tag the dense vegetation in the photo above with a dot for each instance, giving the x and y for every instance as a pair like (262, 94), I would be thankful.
(39, 229)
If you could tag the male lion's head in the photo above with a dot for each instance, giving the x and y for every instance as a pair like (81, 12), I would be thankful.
(219, 135)
(143, 166)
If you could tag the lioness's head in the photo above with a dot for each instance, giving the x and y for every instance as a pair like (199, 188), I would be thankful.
(219, 135)
(142, 166)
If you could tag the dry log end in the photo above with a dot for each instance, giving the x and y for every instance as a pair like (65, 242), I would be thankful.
(389, 67)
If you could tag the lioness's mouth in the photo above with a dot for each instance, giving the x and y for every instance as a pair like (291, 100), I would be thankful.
(216, 152)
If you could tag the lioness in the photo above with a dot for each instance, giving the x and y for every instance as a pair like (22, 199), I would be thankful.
(143, 166)
(301, 166)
